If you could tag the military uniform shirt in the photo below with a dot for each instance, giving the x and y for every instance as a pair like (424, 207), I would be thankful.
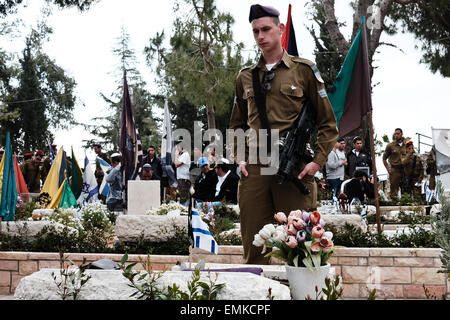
(394, 152)
(293, 84)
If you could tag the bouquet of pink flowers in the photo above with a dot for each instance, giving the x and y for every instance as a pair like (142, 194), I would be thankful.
(300, 239)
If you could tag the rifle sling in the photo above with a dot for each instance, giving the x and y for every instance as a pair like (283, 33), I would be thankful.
(260, 100)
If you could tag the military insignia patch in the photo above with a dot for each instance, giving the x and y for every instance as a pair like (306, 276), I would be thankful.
(316, 73)
(322, 93)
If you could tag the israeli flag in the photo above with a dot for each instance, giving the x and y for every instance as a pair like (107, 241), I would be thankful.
(203, 239)
(104, 187)
(90, 188)
(429, 194)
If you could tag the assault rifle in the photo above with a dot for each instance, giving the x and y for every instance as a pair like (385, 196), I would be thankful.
(293, 148)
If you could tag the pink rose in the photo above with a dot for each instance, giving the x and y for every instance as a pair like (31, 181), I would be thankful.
(298, 223)
(280, 217)
(317, 232)
(323, 243)
(290, 229)
(314, 218)
(291, 242)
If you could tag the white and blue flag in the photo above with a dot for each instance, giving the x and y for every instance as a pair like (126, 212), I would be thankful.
(430, 194)
(104, 187)
(89, 191)
(203, 239)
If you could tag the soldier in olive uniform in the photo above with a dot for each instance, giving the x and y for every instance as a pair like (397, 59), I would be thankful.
(288, 82)
(394, 153)
(413, 169)
(431, 169)
(32, 172)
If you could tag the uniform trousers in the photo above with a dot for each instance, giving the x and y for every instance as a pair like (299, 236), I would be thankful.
(260, 197)
(395, 179)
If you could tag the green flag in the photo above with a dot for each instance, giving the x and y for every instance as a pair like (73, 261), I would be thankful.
(77, 177)
(8, 184)
(67, 198)
(350, 96)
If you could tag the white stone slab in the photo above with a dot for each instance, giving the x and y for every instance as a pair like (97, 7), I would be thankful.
(152, 227)
(143, 195)
(112, 285)
(30, 228)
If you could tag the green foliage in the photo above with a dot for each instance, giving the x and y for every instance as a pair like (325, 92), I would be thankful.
(176, 244)
(107, 128)
(10, 6)
(351, 236)
(24, 210)
(146, 284)
(332, 290)
(201, 64)
(441, 225)
(327, 57)
(429, 22)
(71, 281)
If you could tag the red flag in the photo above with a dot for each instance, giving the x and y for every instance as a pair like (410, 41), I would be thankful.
(20, 181)
(288, 38)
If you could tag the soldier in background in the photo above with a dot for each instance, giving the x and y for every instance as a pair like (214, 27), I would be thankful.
(431, 169)
(394, 152)
(413, 170)
(32, 172)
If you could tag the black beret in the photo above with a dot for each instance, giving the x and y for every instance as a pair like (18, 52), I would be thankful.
(259, 11)
(97, 145)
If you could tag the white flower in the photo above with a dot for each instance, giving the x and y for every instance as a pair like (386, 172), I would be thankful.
(258, 241)
(328, 235)
(267, 231)
(280, 234)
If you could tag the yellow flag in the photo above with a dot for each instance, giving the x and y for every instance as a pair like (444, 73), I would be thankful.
(51, 184)
(57, 198)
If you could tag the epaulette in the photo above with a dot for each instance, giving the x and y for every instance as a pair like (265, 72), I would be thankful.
(312, 65)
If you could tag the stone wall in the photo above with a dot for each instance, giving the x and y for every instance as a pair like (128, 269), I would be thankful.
(396, 273)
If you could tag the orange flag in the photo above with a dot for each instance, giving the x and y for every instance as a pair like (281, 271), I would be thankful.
(20, 181)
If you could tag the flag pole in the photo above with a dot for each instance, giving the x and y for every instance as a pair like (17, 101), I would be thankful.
(374, 171)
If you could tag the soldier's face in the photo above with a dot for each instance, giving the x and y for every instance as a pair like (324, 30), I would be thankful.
(358, 145)
(267, 34)
(398, 135)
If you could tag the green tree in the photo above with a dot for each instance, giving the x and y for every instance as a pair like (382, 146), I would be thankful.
(201, 65)
(109, 128)
(43, 99)
(10, 6)
(429, 21)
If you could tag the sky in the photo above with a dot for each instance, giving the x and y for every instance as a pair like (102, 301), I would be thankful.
(408, 95)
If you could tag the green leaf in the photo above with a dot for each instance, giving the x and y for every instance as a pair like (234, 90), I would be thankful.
(316, 260)
(124, 258)
(308, 263)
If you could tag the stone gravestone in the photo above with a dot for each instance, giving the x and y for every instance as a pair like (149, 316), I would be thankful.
(142, 196)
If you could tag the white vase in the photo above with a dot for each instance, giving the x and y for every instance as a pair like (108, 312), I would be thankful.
(303, 281)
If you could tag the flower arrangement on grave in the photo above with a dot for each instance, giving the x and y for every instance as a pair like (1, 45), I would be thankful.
(299, 239)
(168, 207)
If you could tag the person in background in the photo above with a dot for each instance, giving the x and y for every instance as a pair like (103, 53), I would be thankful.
(182, 163)
(31, 171)
(114, 199)
(99, 154)
(147, 172)
(154, 161)
(394, 152)
(413, 170)
(335, 167)
(205, 183)
(357, 157)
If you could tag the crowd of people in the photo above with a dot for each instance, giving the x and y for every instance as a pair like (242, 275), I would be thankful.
(215, 181)
(403, 165)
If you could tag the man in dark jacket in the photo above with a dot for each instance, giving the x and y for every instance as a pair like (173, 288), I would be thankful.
(205, 183)
(154, 161)
(357, 158)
